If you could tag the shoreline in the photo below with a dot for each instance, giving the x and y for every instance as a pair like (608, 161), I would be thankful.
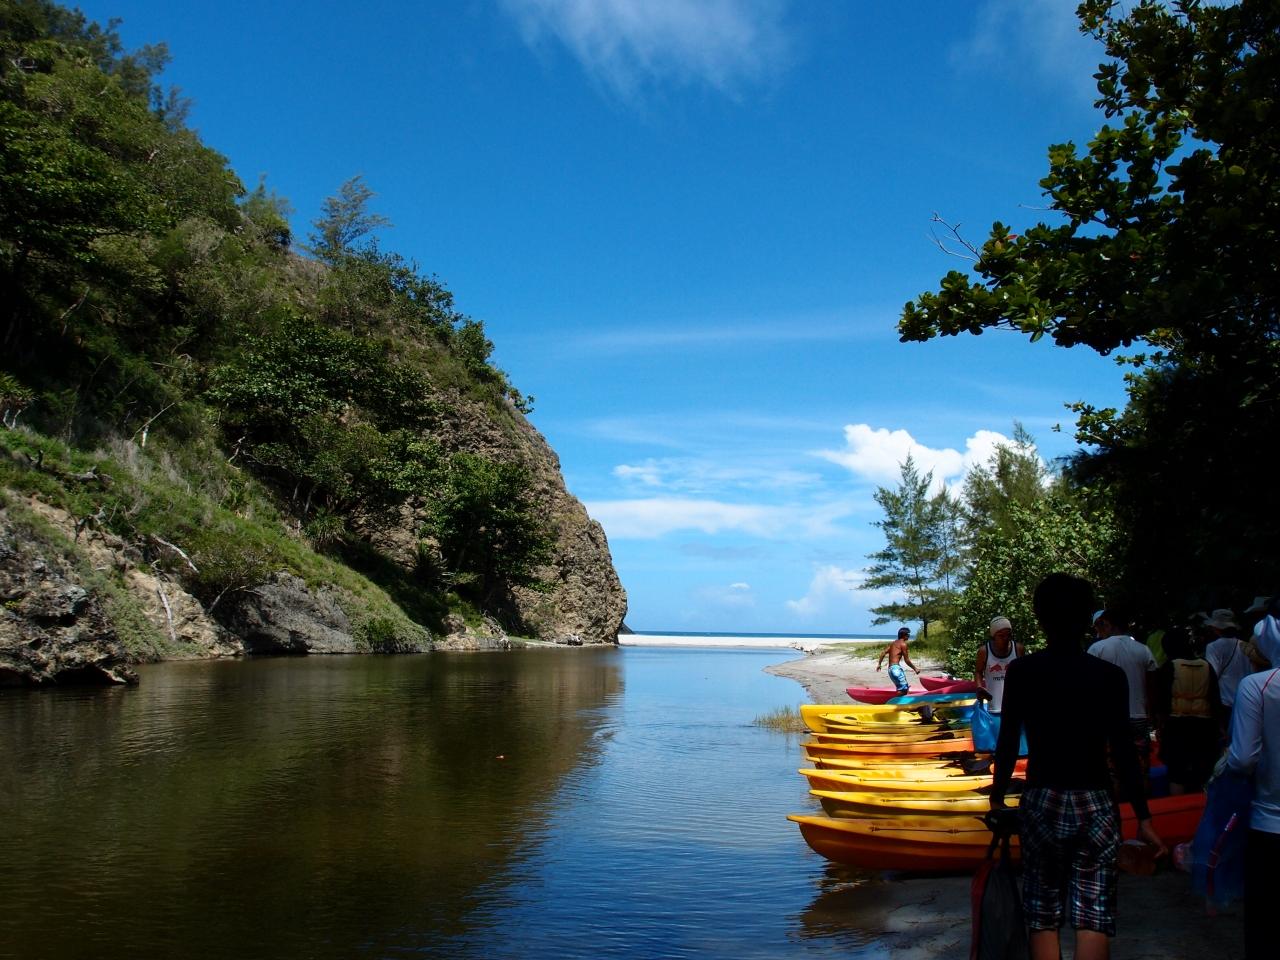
(825, 674)
(925, 917)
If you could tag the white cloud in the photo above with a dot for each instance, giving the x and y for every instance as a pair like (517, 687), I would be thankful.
(649, 519)
(698, 476)
(877, 455)
(1040, 38)
(647, 473)
(834, 590)
(628, 44)
(753, 331)
(736, 596)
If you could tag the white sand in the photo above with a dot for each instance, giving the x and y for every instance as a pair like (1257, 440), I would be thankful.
(825, 674)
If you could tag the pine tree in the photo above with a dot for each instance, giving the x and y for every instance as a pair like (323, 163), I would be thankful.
(921, 557)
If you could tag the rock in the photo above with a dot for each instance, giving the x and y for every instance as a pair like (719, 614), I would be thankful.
(461, 636)
(583, 597)
(174, 613)
(53, 629)
(284, 615)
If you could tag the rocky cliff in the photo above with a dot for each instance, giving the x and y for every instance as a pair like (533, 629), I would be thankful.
(80, 604)
(581, 600)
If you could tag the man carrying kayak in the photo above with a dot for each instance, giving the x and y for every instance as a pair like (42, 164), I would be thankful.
(897, 654)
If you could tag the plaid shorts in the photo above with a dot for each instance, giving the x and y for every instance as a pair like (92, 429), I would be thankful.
(1070, 842)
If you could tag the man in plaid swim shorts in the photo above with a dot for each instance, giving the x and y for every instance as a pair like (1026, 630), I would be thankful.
(1069, 821)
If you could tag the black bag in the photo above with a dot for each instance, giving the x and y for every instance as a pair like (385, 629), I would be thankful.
(999, 930)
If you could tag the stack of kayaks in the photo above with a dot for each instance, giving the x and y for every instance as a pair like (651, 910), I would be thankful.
(902, 792)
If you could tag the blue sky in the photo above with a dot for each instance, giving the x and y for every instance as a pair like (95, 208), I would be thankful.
(689, 226)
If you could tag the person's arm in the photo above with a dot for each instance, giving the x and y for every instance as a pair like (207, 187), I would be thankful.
(1011, 718)
(1021, 649)
(1246, 729)
(883, 653)
(906, 658)
(980, 666)
(1128, 769)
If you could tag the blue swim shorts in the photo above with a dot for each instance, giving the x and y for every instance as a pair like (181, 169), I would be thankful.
(899, 677)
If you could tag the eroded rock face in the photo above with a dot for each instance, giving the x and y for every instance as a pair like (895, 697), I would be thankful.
(172, 611)
(53, 629)
(585, 602)
(284, 615)
(460, 636)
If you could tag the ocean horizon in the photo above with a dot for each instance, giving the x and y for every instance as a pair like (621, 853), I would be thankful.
(807, 642)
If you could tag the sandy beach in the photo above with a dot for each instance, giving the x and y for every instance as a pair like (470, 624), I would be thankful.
(920, 918)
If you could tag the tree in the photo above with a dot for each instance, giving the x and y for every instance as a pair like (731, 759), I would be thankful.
(1166, 239)
(1014, 475)
(921, 556)
(1052, 533)
(345, 219)
(487, 527)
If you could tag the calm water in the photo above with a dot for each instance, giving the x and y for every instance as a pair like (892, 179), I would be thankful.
(593, 804)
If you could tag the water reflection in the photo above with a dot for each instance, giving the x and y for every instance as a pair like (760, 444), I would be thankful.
(544, 804)
(284, 807)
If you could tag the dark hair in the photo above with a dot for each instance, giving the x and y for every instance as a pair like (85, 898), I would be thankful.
(904, 631)
(1064, 605)
(1118, 617)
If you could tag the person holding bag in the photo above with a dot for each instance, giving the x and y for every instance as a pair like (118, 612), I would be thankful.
(1070, 825)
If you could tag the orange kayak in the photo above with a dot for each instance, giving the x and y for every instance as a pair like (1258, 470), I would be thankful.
(924, 748)
(951, 843)
(865, 763)
(909, 735)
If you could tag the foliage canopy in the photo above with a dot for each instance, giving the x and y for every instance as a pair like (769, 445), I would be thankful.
(1167, 240)
(149, 297)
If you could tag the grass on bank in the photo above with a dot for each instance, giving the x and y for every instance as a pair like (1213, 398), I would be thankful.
(222, 520)
(781, 719)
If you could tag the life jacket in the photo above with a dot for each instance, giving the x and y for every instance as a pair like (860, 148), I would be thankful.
(1189, 696)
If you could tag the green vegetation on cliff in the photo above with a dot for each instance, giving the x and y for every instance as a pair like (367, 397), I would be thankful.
(173, 368)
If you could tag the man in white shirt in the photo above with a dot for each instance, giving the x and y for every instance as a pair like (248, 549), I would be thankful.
(1227, 656)
(1115, 645)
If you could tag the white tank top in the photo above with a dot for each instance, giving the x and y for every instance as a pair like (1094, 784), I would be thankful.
(993, 674)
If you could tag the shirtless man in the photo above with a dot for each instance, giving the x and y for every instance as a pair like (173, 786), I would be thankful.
(897, 654)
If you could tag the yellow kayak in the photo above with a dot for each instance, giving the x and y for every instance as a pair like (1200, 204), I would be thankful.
(895, 780)
(852, 804)
(873, 766)
(818, 717)
(908, 735)
(906, 763)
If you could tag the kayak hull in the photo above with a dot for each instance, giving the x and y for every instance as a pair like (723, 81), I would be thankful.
(879, 781)
(820, 717)
(957, 843)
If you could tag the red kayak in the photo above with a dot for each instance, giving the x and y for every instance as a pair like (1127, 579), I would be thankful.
(948, 685)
